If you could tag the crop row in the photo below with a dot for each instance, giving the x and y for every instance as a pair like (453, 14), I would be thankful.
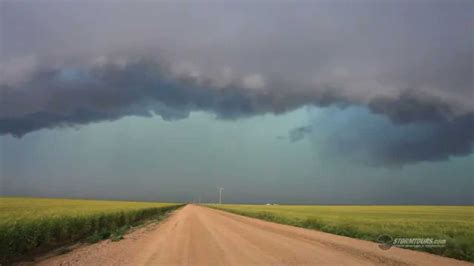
(454, 224)
(22, 237)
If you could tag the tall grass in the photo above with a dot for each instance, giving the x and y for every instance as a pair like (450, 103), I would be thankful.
(28, 225)
(453, 223)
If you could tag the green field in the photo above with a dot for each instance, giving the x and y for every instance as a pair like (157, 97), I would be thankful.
(32, 224)
(453, 223)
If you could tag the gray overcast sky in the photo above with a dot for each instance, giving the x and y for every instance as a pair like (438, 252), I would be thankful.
(297, 102)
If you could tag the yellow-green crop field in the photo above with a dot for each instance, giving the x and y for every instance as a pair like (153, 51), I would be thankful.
(453, 223)
(31, 224)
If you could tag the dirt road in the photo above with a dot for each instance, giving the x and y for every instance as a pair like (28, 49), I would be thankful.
(201, 236)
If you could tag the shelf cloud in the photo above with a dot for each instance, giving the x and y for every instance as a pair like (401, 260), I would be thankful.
(71, 64)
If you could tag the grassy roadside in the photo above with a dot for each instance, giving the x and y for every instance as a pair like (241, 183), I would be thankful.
(453, 223)
(32, 225)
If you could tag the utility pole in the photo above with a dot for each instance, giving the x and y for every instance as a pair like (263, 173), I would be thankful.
(220, 195)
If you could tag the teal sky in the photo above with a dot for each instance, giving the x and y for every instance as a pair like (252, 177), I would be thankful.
(304, 102)
(152, 159)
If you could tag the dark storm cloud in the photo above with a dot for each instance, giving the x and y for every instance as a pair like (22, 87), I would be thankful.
(410, 107)
(68, 97)
(74, 63)
(439, 142)
(368, 138)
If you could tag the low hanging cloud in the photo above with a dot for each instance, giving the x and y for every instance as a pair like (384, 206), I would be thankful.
(108, 91)
(72, 63)
(299, 133)
(359, 135)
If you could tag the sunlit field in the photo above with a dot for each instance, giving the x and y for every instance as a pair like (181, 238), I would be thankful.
(32, 224)
(453, 223)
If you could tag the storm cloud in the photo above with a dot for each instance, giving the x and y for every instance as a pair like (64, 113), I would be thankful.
(358, 134)
(74, 63)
